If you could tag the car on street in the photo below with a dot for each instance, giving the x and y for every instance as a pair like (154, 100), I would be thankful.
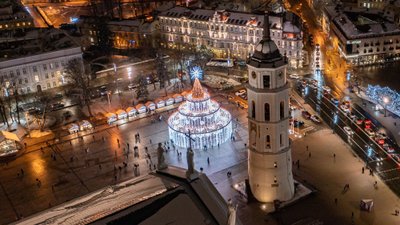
(348, 130)
(370, 132)
(240, 92)
(359, 121)
(306, 114)
(57, 106)
(335, 101)
(103, 90)
(352, 116)
(367, 123)
(326, 88)
(344, 108)
(294, 76)
(396, 157)
(298, 123)
(315, 119)
(389, 148)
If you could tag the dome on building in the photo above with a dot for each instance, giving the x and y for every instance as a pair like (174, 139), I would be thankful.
(266, 53)
(208, 124)
(266, 49)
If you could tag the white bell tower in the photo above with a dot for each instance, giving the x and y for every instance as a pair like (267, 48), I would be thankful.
(270, 159)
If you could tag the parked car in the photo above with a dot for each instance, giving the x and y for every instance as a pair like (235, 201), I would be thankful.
(240, 92)
(103, 90)
(306, 114)
(132, 86)
(315, 119)
(57, 106)
(345, 108)
(335, 101)
(348, 130)
(352, 116)
(370, 132)
(367, 123)
(298, 123)
(389, 148)
(326, 88)
(359, 121)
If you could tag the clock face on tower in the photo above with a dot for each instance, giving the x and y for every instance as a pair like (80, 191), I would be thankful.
(253, 75)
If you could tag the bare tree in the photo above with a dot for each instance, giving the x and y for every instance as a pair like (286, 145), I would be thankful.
(80, 79)
(141, 90)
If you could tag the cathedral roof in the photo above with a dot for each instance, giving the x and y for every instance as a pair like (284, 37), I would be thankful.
(266, 53)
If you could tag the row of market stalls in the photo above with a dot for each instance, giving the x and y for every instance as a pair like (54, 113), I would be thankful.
(81, 126)
(133, 111)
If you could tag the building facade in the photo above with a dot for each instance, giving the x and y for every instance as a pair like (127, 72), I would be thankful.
(229, 34)
(39, 61)
(269, 153)
(363, 36)
(38, 72)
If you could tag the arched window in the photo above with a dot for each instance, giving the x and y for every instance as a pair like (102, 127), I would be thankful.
(282, 110)
(253, 110)
(266, 112)
(267, 142)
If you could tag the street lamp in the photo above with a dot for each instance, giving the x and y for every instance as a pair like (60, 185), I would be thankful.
(385, 101)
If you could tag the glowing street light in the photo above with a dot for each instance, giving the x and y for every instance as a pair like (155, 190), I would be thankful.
(386, 101)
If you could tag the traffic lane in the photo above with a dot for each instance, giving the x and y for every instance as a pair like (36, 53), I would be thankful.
(367, 148)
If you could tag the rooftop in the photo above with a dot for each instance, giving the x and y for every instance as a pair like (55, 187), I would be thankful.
(362, 23)
(165, 195)
(33, 41)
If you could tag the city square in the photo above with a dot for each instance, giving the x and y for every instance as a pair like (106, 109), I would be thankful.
(199, 112)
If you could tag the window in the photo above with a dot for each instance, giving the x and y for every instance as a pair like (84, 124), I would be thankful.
(18, 72)
(51, 66)
(267, 142)
(52, 74)
(57, 65)
(26, 80)
(19, 81)
(48, 85)
(282, 110)
(266, 112)
(54, 84)
(24, 70)
(46, 75)
(266, 81)
(34, 68)
(44, 66)
(280, 140)
(253, 110)
(36, 78)
(11, 74)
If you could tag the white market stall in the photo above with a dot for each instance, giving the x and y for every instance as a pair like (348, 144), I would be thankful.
(141, 108)
(159, 103)
(121, 114)
(73, 128)
(177, 98)
(111, 117)
(150, 105)
(169, 100)
(85, 125)
(131, 111)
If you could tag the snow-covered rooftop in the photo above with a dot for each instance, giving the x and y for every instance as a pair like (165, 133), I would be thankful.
(357, 23)
(162, 197)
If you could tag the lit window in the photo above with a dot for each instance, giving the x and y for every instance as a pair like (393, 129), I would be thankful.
(36, 78)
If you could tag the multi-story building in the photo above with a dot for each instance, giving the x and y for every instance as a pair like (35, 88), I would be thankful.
(124, 34)
(363, 36)
(229, 34)
(13, 16)
(373, 4)
(36, 60)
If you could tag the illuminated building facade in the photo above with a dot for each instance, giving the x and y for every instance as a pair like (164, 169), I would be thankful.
(363, 35)
(230, 34)
(208, 124)
(34, 67)
(269, 153)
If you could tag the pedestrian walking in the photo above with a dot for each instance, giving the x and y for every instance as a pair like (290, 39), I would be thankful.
(309, 155)
(117, 140)
(334, 156)
(22, 172)
(307, 147)
(336, 201)
(208, 160)
(362, 170)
